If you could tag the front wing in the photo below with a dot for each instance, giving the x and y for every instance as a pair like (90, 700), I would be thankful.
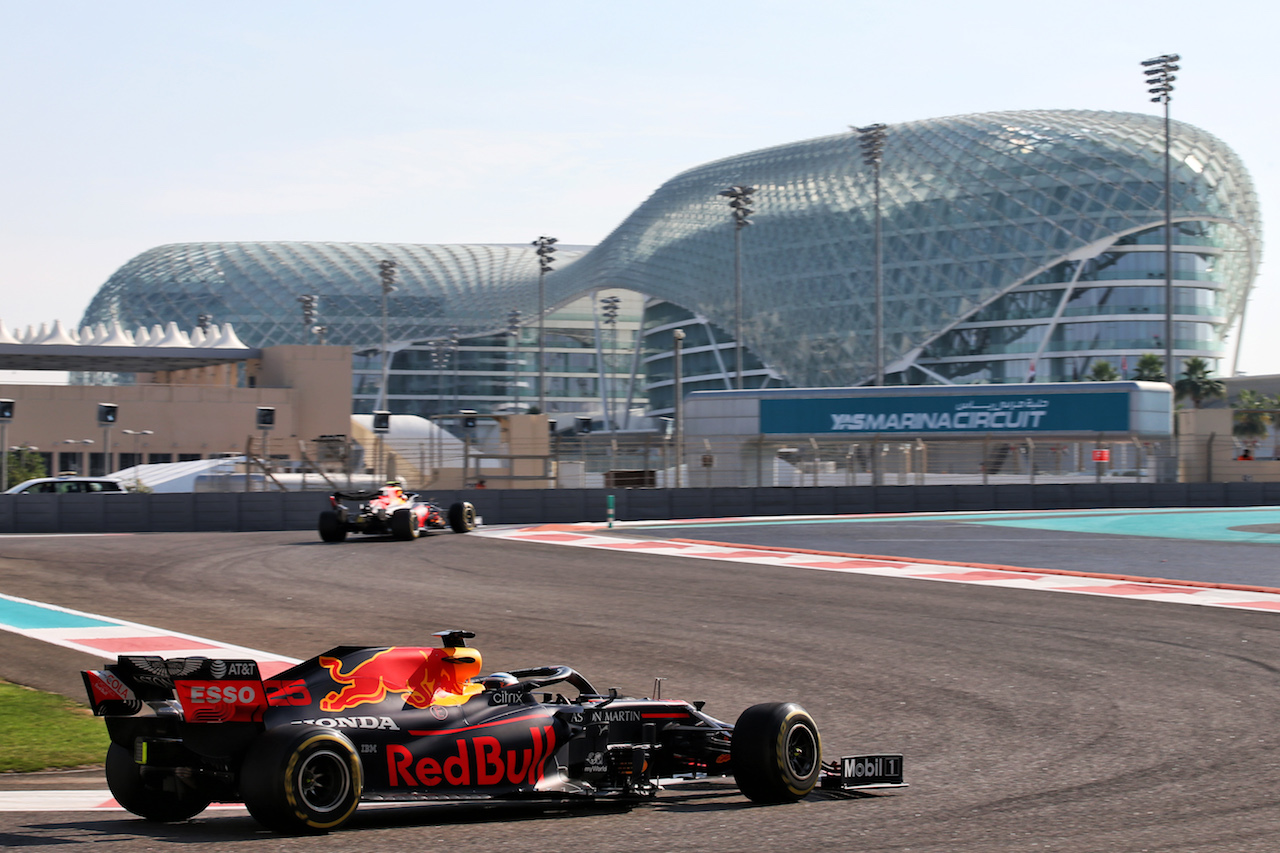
(859, 772)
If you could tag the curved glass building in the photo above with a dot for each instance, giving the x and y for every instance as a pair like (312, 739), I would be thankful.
(1015, 246)
(258, 287)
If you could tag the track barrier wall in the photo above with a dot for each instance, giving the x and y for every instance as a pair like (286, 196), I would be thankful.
(192, 512)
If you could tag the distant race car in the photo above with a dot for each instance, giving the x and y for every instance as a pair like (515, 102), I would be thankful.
(391, 510)
(403, 723)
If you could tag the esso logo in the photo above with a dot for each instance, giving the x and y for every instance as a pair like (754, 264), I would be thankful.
(230, 694)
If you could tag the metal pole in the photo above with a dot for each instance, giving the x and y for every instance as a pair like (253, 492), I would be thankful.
(872, 138)
(545, 252)
(601, 378)
(879, 273)
(1168, 250)
(455, 344)
(1159, 78)
(385, 369)
(513, 329)
(740, 207)
(387, 276)
(542, 340)
(515, 374)
(737, 305)
(437, 439)
(678, 336)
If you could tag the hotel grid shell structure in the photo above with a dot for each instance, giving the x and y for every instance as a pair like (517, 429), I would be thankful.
(1016, 246)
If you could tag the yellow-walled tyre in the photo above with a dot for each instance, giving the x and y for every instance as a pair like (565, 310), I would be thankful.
(462, 517)
(301, 780)
(776, 752)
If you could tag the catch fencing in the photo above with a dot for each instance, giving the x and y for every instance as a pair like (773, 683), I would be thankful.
(625, 460)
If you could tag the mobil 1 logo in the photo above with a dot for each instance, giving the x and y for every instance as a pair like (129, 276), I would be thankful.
(865, 771)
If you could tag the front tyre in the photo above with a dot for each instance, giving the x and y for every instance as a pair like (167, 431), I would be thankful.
(776, 752)
(163, 803)
(301, 780)
(462, 517)
(331, 527)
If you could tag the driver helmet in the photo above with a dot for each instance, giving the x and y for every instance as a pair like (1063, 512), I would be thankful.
(498, 680)
(394, 488)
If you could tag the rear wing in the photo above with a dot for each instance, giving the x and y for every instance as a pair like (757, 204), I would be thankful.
(358, 495)
(204, 690)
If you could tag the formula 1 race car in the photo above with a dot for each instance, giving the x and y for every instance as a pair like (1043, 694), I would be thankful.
(391, 510)
(302, 749)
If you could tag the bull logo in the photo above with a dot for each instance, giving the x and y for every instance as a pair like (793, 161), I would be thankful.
(428, 677)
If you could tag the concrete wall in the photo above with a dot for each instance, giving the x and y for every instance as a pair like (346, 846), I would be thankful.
(300, 510)
(1209, 452)
(309, 387)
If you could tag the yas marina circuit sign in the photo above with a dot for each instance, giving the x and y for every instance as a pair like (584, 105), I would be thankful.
(1086, 412)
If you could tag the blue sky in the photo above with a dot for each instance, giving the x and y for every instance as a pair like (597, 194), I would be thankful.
(132, 124)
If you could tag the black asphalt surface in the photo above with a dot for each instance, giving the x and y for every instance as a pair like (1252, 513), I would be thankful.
(1031, 721)
(939, 539)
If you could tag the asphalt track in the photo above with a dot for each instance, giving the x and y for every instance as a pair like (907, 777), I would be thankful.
(1227, 546)
(1030, 720)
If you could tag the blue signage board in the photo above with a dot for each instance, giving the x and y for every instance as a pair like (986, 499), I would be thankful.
(1085, 412)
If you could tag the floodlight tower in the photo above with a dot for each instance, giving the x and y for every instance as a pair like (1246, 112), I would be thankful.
(387, 275)
(546, 248)
(609, 310)
(1159, 79)
(740, 206)
(513, 330)
(310, 305)
(871, 138)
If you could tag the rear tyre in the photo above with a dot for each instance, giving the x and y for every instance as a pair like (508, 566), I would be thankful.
(403, 524)
(301, 780)
(462, 517)
(331, 527)
(776, 752)
(157, 804)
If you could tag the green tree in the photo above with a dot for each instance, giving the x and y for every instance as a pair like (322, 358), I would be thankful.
(1150, 368)
(1249, 423)
(1102, 371)
(1196, 384)
(24, 464)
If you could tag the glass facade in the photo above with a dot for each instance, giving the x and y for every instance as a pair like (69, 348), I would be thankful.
(1014, 244)
(257, 286)
(589, 368)
(1109, 307)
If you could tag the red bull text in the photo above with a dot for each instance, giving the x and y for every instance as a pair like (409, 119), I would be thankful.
(474, 761)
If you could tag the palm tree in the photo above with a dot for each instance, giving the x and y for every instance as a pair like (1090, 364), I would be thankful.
(1196, 383)
(1102, 371)
(1150, 368)
(1249, 423)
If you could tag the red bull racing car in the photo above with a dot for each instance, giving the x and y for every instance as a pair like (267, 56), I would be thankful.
(303, 748)
(391, 511)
